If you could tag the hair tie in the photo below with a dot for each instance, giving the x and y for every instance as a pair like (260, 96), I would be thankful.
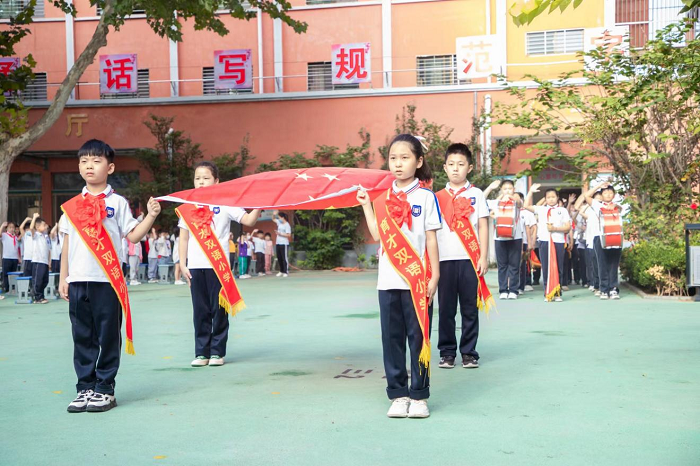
(422, 140)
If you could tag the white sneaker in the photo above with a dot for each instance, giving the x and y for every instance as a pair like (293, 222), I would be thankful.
(565, 288)
(614, 295)
(101, 402)
(152, 280)
(134, 283)
(279, 274)
(216, 360)
(399, 407)
(529, 288)
(503, 296)
(200, 361)
(79, 405)
(285, 275)
(418, 409)
(512, 296)
(261, 274)
(558, 299)
(604, 296)
(180, 282)
(591, 288)
(597, 293)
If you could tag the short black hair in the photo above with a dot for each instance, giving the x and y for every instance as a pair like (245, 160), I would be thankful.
(608, 188)
(461, 149)
(598, 193)
(284, 216)
(39, 221)
(97, 148)
(553, 190)
(521, 195)
(210, 165)
(508, 181)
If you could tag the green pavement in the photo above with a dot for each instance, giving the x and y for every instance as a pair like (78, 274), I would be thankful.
(584, 382)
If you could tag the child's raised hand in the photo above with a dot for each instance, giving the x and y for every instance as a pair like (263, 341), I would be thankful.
(36, 215)
(4, 225)
(362, 197)
(153, 207)
(535, 188)
(495, 184)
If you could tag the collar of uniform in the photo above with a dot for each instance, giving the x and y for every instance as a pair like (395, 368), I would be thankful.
(408, 189)
(107, 192)
(452, 190)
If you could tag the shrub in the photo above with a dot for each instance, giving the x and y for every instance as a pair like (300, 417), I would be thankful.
(656, 266)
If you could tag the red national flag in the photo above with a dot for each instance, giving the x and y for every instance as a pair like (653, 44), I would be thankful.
(299, 189)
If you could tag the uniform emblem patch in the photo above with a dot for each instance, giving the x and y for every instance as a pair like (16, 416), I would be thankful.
(110, 212)
(216, 210)
(416, 210)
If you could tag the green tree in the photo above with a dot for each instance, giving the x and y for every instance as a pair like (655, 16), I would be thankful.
(170, 165)
(163, 16)
(639, 118)
(325, 235)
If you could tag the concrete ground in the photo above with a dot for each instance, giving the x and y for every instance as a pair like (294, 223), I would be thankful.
(583, 382)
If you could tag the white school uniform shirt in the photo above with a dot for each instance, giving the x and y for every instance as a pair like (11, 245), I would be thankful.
(283, 227)
(528, 219)
(56, 248)
(493, 205)
(41, 248)
(27, 246)
(596, 206)
(83, 267)
(259, 245)
(222, 227)
(579, 233)
(176, 249)
(152, 253)
(449, 244)
(250, 247)
(9, 246)
(592, 226)
(426, 217)
(125, 250)
(558, 218)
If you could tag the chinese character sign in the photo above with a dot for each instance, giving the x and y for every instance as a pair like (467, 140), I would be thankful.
(479, 56)
(351, 63)
(233, 69)
(118, 73)
(612, 40)
(8, 65)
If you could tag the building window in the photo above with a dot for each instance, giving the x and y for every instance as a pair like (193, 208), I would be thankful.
(37, 89)
(320, 78)
(208, 85)
(136, 11)
(554, 42)
(24, 196)
(437, 70)
(11, 8)
(646, 17)
(325, 2)
(143, 89)
(224, 8)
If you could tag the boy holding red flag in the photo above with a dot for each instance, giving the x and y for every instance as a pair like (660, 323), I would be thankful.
(93, 224)
(463, 244)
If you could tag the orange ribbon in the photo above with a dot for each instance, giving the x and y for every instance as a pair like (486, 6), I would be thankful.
(86, 214)
(199, 221)
(457, 217)
(553, 284)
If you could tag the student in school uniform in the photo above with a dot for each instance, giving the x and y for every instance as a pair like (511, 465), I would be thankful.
(94, 296)
(41, 258)
(258, 239)
(56, 246)
(210, 318)
(243, 257)
(269, 249)
(592, 232)
(152, 257)
(459, 276)
(10, 253)
(415, 216)
(26, 235)
(284, 233)
(528, 223)
(135, 256)
(175, 238)
(608, 256)
(509, 249)
(553, 222)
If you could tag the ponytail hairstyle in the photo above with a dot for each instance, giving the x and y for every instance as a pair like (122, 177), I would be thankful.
(423, 173)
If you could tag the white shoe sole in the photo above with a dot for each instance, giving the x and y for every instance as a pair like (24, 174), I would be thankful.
(418, 416)
(216, 362)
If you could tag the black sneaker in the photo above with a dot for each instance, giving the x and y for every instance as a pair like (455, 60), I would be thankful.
(80, 403)
(101, 402)
(447, 362)
(469, 362)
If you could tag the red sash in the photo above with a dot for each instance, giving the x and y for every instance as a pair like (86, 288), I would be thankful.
(611, 223)
(405, 259)
(553, 285)
(199, 221)
(456, 211)
(506, 219)
(86, 213)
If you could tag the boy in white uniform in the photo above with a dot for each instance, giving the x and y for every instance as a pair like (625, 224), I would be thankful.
(41, 258)
(26, 235)
(10, 253)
